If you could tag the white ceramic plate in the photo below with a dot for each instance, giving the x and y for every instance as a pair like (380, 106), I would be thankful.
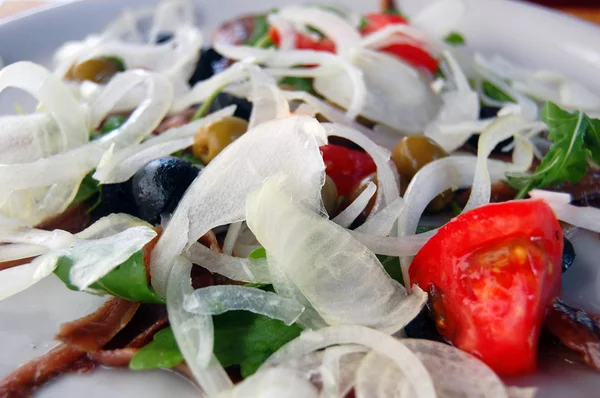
(527, 34)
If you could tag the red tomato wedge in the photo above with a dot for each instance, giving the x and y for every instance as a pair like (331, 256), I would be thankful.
(491, 273)
(414, 55)
(346, 166)
(305, 42)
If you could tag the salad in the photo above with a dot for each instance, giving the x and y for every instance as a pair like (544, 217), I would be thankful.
(311, 202)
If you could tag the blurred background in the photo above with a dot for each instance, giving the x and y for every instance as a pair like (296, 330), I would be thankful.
(586, 9)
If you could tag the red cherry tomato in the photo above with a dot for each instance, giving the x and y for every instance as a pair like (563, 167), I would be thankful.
(492, 272)
(305, 42)
(346, 166)
(414, 55)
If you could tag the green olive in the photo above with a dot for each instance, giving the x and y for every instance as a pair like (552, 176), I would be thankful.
(410, 155)
(97, 70)
(356, 191)
(330, 197)
(211, 139)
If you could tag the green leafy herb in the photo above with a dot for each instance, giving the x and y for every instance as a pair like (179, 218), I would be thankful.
(247, 339)
(299, 83)
(88, 188)
(119, 62)
(112, 123)
(260, 32)
(257, 254)
(495, 93)
(393, 11)
(188, 157)
(204, 108)
(392, 267)
(455, 38)
(162, 352)
(575, 138)
(129, 280)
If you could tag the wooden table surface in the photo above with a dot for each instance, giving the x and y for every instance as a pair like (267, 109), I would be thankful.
(586, 9)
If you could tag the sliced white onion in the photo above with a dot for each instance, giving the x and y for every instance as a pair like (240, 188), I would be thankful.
(235, 268)
(383, 221)
(395, 94)
(215, 300)
(233, 232)
(343, 34)
(521, 392)
(285, 30)
(387, 183)
(16, 279)
(110, 225)
(335, 373)
(392, 246)
(456, 373)
(584, 217)
(218, 195)
(268, 102)
(25, 138)
(18, 251)
(194, 333)
(378, 377)
(349, 214)
(401, 33)
(333, 271)
(122, 165)
(381, 343)
(273, 383)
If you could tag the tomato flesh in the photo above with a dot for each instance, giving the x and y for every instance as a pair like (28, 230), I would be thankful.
(416, 56)
(305, 42)
(492, 272)
(346, 166)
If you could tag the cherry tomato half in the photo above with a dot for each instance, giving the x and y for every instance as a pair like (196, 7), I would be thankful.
(305, 42)
(346, 166)
(414, 55)
(492, 272)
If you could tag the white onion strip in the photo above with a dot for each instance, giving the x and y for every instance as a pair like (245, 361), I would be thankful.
(381, 343)
(350, 213)
(383, 221)
(584, 217)
(235, 268)
(194, 333)
(215, 300)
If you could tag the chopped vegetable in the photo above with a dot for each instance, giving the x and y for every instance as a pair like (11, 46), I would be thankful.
(346, 166)
(211, 139)
(112, 123)
(491, 274)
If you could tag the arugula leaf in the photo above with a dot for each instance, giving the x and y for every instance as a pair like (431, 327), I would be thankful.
(455, 38)
(257, 254)
(260, 32)
(112, 123)
(495, 93)
(247, 339)
(88, 188)
(162, 352)
(392, 267)
(299, 83)
(129, 280)
(575, 138)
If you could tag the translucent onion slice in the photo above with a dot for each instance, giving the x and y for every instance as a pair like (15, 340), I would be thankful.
(285, 30)
(57, 99)
(18, 251)
(235, 268)
(584, 217)
(454, 372)
(342, 33)
(233, 232)
(349, 214)
(378, 377)
(396, 94)
(401, 34)
(218, 195)
(25, 138)
(381, 343)
(94, 259)
(122, 165)
(521, 392)
(215, 300)
(273, 383)
(16, 279)
(383, 221)
(194, 333)
(268, 102)
(333, 271)
(110, 225)
(392, 246)
(387, 183)
(337, 375)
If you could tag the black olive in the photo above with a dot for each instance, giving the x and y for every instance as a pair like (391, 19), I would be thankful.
(423, 327)
(209, 63)
(159, 185)
(243, 110)
(115, 198)
(568, 255)
(163, 37)
(486, 112)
